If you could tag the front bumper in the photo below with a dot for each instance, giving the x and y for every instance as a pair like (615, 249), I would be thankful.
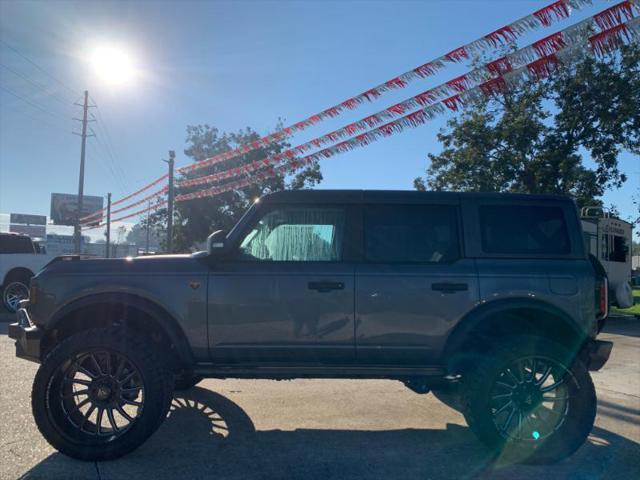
(27, 336)
(597, 353)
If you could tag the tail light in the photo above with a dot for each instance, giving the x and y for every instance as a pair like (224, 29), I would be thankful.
(602, 298)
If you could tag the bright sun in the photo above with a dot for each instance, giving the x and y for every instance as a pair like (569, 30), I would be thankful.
(113, 65)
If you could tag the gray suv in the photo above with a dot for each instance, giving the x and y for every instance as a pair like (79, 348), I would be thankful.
(488, 300)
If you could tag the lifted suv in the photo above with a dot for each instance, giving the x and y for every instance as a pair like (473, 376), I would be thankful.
(489, 300)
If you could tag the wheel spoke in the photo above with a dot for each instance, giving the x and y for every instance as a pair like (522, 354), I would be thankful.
(119, 369)
(99, 420)
(107, 363)
(84, 371)
(512, 375)
(96, 364)
(131, 402)
(86, 416)
(112, 420)
(81, 404)
(553, 386)
(129, 376)
(544, 377)
(506, 385)
(76, 393)
(503, 408)
(547, 398)
(79, 381)
(122, 412)
(507, 423)
(131, 390)
(502, 395)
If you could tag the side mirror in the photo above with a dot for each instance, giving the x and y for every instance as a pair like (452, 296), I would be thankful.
(216, 240)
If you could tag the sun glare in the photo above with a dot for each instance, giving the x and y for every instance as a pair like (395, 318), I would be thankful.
(113, 65)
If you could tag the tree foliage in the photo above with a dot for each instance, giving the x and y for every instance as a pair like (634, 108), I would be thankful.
(534, 138)
(195, 219)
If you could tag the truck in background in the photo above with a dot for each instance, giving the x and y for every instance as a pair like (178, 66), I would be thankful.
(609, 240)
(20, 259)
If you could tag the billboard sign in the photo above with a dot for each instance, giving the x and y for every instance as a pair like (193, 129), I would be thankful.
(27, 219)
(34, 231)
(64, 207)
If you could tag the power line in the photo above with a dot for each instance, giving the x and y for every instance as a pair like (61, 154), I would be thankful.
(38, 85)
(109, 144)
(69, 89)
(34, 105)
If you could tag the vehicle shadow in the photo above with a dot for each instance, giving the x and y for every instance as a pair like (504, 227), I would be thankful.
(626, 325)
(206, 435)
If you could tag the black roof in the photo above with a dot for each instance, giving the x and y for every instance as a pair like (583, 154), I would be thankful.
(395, 196)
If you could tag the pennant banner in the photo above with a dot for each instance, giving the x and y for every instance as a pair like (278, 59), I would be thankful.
(544, 17)
(138, 192)
(488, 76)
(601, 44)
(155, 206)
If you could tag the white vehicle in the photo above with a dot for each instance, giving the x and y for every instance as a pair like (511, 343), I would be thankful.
(609, 240)
(20, 259)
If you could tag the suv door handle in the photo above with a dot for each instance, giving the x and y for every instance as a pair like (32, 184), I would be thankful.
(449, 287)
(326, 286)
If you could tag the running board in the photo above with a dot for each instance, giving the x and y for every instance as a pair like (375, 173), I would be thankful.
(315, 371)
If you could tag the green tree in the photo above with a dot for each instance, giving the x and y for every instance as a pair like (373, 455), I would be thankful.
(531, 139)
(195, 219)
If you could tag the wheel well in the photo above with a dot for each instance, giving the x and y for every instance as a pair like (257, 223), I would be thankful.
(19, 273)
(478, 334)
(108, 314)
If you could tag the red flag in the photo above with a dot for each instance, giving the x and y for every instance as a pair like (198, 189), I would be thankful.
(550, 44)
(615, 15)
(457, 55)
(558, 9)
(499, 66)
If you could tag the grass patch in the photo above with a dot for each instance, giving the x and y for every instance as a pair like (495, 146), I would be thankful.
(635, 310)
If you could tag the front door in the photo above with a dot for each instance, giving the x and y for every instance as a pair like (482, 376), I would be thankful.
(285, 293)
(413, 284)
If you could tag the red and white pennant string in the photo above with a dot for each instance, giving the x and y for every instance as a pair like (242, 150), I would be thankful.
(601, 43)
(573, 35)
(544, 17)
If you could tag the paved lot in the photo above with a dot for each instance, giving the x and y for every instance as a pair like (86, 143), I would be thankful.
(323, 429)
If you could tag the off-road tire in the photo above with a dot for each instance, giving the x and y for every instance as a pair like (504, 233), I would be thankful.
(578, 420)
(186, 380)
(156, 380)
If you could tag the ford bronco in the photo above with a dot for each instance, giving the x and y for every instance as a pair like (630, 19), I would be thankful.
(488, 300)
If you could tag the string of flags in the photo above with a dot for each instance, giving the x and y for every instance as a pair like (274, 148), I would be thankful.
(617, 25)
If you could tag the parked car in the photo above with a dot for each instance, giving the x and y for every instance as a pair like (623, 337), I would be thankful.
(20, 258)
(489, 300)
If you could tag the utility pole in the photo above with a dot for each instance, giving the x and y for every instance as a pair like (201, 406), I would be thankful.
(148, 226)
(108, 253)
(77, 231)
(172, 157)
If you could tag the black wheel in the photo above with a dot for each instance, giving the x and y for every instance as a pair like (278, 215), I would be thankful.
(186, 380)
(13, 292)
(100, 394)
(529, 401)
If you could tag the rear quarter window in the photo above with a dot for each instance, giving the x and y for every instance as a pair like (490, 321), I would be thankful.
(524, 230)
(15, 244)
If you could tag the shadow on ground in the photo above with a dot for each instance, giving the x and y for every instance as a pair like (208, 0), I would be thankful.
(208, 436)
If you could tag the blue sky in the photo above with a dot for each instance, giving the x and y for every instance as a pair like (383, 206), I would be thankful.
(229, 64)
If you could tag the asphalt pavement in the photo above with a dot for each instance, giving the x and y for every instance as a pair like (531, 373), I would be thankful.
(324, 429)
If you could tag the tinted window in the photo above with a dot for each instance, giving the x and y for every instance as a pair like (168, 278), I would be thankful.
(619, 248)
(523, 230)
(411, 234)
(15, 244)
(296, 234)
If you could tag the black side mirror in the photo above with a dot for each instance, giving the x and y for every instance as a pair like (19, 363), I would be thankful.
(216, 241)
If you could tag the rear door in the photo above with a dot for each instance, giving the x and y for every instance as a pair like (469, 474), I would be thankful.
(286, 294)
(413, 284)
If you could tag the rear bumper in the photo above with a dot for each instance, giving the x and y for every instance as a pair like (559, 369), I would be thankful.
(27, 336)
(597, 353)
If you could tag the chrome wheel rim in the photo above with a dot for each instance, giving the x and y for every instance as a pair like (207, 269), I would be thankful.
(529, 399)
(14, 293)
(96, 396)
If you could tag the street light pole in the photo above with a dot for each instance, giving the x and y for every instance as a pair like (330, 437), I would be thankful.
(108, 254)
(172, 157)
